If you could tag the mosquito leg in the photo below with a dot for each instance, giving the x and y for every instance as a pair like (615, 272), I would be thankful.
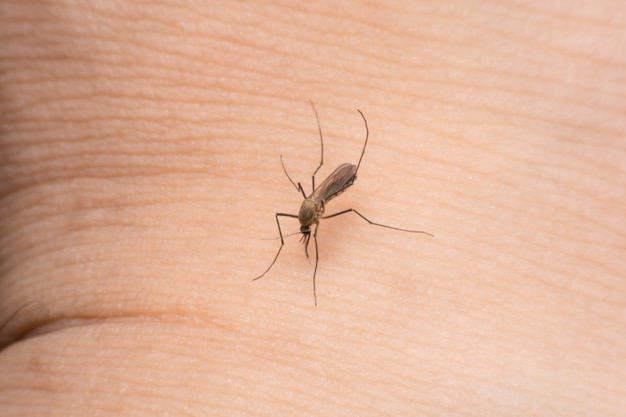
(282, 242)
(302, 190)
(374, 223)
(367, 135)
(299, 186)
(316, 261)
(319, 127)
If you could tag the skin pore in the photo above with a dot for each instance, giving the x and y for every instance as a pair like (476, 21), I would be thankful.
(140, 176)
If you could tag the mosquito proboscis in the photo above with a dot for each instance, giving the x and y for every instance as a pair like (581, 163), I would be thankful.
(313, 206)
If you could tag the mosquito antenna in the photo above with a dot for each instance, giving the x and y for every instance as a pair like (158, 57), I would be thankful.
(276, 238)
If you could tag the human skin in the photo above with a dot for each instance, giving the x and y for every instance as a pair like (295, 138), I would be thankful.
(140, 176)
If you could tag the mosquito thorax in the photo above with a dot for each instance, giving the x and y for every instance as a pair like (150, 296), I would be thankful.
(310, 212)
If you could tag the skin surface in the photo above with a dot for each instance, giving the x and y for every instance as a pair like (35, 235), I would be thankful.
(140, 174)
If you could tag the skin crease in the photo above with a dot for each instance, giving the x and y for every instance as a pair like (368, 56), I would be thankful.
(140, 175)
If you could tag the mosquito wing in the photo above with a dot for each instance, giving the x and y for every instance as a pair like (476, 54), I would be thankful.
(336, 183)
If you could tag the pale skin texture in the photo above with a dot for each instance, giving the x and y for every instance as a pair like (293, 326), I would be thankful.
(140, 174)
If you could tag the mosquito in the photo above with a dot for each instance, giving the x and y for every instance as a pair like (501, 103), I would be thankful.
(313, 206)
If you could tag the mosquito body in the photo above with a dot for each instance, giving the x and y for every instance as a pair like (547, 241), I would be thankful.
(313, 206)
